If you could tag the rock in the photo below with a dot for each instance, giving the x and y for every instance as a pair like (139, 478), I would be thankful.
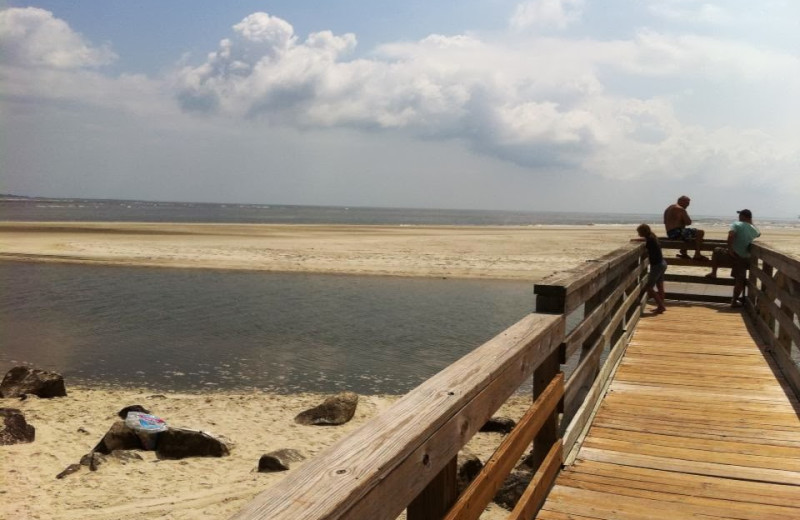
(125, 456)
(118, 437)
(72, 468)
(335, 410)
(499, 424)
(512, 489)
(13, 427)
(93, 460)
(83, 430)
(178, 443)
(25, 380)
(469, 465)
(278, 460)
(132, 408)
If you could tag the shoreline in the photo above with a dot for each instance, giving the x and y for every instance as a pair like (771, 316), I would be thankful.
(525, 253)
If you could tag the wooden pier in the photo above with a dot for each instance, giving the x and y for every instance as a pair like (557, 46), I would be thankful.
(698, 422)
(689, 414)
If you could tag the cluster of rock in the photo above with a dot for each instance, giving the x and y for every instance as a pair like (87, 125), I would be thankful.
(123, 444)
(20, 382)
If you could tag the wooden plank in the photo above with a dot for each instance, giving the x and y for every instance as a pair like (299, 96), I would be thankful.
(692, 453)
(781, 293)
(379, 468)
(687, 484)
(580, 283)
(582, 502)
(685, 278)
(785, 263)
(690, 297)
(581, 333)
(578, 427)
(482, 489)
(438, 495)
(691, 466)
(723, 508)
(534, 495)
(586, 369)
(788, 368)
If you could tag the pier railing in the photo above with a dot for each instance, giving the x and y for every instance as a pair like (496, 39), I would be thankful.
(405, 458)
(773, 303)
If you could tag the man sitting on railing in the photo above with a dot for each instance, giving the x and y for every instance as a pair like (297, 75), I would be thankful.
(740, 237)
(676, 218)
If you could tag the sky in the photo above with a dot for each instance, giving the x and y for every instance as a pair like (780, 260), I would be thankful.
(544, 105)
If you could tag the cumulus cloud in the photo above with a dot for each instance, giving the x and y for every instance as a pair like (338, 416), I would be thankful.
(547, 13)
(32, 37)
(543, 103)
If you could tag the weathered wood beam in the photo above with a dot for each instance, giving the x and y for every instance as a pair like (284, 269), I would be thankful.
(685, 278)
(535, 494)
(577, 285)
(579, 424)
(484, 487)
(378, 469)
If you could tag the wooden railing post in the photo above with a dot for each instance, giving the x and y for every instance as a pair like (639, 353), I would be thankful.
(542, 376)
(438, 496)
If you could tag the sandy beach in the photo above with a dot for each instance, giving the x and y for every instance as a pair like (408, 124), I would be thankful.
(521, 253)
(256, 422)
(190, 489)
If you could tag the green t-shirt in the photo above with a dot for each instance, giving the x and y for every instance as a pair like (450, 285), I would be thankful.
(745, 234)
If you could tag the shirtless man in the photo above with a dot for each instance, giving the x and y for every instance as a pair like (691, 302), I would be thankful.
(676, 219)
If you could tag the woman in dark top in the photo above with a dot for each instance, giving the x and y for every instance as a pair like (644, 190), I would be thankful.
(658, 266)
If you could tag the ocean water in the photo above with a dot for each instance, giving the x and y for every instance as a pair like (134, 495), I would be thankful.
(83, 210)
(195, 330)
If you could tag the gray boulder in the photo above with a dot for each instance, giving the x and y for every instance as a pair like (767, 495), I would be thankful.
(179, 443)
(335, 410)
(499, 425)
(69, 470)
(512, 489)
(92, 460)
(469, 465)
(25, 380)
(13, 427)
(118, 437)
(278, 460)
(132, 408)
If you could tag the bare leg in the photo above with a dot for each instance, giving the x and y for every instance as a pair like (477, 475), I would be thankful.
(658, 299)
(738, 288)
(714, 265)
(698, 242)
(660, 290)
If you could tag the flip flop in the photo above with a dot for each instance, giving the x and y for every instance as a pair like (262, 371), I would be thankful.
(684, 256)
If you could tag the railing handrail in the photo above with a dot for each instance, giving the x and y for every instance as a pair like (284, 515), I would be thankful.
(377, 470)
(773, 304)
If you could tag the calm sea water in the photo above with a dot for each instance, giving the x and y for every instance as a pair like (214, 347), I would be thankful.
(139, 211)
(190, 330)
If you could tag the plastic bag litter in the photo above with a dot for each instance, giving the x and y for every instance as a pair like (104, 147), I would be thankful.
(147, 427)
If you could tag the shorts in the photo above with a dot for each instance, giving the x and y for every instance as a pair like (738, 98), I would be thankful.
(686, 233)
(722, 255)
(655, 275)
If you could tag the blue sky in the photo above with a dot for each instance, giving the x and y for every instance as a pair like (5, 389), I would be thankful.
(542, 105)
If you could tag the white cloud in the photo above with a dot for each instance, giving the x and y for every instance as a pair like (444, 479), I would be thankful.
(543, 103)
(33, 37)
(547, 13)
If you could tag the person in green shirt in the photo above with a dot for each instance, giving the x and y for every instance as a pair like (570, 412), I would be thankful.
(740, 236)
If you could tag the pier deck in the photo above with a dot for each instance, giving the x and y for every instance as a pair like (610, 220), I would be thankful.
(698, 423)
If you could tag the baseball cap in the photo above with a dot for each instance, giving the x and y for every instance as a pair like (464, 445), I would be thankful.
(746, 213)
